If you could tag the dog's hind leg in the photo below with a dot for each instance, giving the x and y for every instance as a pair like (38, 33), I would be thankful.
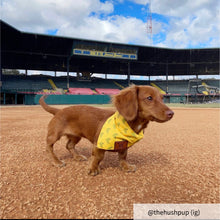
(51, 139)
(70, 146)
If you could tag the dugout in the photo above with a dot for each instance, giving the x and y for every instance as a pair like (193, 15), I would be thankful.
(13, 98)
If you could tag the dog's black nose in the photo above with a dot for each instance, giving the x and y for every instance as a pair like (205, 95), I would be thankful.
(169, 114)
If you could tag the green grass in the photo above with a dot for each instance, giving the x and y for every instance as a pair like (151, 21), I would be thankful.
(101, 105)
(208, 105)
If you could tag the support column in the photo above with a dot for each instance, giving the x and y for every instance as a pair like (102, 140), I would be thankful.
(167, 78)
(129, 73)
(1, 74)
(16, 98)
(4, 102)
(68, 71)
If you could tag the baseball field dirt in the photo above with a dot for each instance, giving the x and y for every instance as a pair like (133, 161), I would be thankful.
(177, 162)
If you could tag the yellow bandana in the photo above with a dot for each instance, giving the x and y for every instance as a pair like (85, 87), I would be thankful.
(116, 134)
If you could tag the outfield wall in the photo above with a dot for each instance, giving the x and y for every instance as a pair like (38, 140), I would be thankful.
(33, 99)
(106, 99)
(74, 99)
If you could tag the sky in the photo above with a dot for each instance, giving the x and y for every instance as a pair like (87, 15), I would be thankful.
(175, 23)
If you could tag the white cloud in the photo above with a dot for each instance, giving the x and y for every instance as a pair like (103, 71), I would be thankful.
(41, 15)
(190, 23)
(141, 2)
(182, 8)
(78, 19)
(114, 28)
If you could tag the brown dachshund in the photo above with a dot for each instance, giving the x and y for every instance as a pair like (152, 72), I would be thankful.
(136, 106)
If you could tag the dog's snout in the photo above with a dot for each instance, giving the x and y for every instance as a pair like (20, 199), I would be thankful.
(169, 114)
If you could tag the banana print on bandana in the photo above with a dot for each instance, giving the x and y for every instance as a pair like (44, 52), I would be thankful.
(116, 134)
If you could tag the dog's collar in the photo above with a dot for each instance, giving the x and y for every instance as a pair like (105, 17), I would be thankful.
(116, 134)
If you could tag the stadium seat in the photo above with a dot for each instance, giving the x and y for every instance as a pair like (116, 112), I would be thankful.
(107, 91)
(80, 91)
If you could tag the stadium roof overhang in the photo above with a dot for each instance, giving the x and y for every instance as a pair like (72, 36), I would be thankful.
(21, 50)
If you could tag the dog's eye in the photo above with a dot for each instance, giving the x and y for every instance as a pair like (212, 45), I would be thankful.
(149, 98)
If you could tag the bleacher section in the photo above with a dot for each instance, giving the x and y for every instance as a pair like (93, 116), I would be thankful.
(23, 83)
(158, 87)
(61, 82)
(42, 84)
(212, 82)
(80, 91)
(174, 87)
(49, 92)
(52, 84)
(107, 91)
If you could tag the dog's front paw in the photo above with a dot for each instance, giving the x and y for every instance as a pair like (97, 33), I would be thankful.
(128, 168)
(93, 172)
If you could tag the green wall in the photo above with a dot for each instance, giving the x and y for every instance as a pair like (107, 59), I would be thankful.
(177, 99)
(85, 99)
(74, 99)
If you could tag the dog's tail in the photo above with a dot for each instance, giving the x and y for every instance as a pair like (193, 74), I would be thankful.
(47, 107)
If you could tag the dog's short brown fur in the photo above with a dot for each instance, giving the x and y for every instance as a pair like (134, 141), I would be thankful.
(137, 104)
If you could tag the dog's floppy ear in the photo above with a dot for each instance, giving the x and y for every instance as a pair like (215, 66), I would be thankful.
(126, 102)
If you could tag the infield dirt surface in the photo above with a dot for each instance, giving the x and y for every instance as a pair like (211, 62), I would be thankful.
(177, 162)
